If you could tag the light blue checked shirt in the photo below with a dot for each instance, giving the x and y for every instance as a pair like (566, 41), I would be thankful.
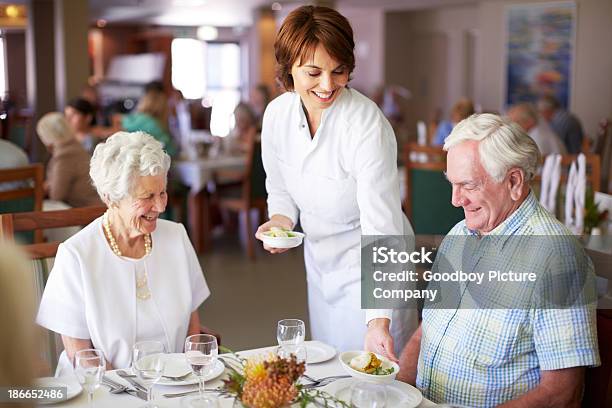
(484, 357)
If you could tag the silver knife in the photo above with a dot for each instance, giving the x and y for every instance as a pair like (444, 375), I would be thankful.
(133, 382)
(137, 393)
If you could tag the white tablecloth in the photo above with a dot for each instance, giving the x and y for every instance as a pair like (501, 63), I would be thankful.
(196, 173)
(103, 399)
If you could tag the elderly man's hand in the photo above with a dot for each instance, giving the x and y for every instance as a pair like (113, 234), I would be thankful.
(379, 340)
(276, 220)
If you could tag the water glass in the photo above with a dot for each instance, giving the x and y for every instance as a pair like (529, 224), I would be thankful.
(290, 332)
(368, 395)
(89, 367)
(201, 351)
(148, 362)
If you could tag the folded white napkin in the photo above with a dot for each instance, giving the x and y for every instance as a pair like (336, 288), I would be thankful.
(555, 178)
(569, 196)
(546, 168)
(580, 194)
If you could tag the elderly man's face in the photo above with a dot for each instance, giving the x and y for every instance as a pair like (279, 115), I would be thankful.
(486, 204)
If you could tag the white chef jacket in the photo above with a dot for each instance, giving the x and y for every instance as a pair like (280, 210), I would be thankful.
(91, 292)
(342, 183)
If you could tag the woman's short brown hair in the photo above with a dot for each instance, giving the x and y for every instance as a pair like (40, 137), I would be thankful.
(304, 29)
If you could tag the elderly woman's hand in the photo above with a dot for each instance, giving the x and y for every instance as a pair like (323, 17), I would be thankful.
(276, 220)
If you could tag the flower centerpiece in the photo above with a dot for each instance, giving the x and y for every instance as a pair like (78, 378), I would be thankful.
(272, 382)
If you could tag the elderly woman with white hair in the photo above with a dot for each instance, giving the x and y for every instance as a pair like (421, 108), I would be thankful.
(128, 276)
(67, 171)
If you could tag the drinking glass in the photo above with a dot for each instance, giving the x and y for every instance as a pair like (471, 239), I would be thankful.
(148, 363)
(290, 334)
(368, 395)
(201, 352)
(89, 367)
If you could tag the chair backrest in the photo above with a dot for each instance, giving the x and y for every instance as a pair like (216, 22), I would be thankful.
(428, 193)
(41, 252)
(255, 176)
(26, 192)
(39, 220)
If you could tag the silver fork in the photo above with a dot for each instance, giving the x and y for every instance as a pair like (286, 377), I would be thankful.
(114, 387)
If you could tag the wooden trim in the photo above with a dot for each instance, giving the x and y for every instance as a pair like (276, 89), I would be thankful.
(28, 221)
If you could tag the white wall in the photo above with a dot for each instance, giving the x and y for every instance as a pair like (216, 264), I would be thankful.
(591, 94)
(368, 32)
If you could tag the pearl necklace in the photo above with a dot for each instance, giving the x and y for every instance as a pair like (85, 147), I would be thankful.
(142, 287)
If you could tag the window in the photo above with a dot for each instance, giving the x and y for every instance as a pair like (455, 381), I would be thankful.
(210, 71)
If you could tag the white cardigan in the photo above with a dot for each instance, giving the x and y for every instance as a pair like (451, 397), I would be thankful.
(91, 292)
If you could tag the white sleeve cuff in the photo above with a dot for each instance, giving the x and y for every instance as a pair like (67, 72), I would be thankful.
(372, 314)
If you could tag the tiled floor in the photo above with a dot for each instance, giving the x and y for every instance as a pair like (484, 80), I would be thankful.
(248, 298)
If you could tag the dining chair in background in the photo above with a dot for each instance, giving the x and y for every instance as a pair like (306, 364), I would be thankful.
(21, 189)
(428, 193)
(251, 194)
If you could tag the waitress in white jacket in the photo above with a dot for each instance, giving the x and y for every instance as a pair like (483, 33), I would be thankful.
(330, 159)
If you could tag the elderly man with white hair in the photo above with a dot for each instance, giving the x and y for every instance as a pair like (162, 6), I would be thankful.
(128, 276)
(489, 355)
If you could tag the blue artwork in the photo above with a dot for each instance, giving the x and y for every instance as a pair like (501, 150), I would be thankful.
(540, 49)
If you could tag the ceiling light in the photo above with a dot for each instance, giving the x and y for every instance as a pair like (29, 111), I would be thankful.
(276, 6)
(207, 33)
(12, 11)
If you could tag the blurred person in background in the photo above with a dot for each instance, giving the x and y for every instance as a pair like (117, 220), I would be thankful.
(68, 169)
(151, 117)
(461, 110)
(330, 157)
(11, 156)
(80, 114)
(245, 131)
(18, 350)
(259, 99)
(565, 124)
(526, 116)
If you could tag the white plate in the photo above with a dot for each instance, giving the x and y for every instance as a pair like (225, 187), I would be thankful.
(283, 242)
(72, 386)
(318, 352)
(347, 356)
(176, 365)
(399, 394)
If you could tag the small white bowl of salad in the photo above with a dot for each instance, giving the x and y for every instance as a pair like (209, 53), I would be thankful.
(367, 366)
(277, 237)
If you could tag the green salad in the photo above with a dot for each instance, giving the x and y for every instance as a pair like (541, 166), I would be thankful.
(277, 232)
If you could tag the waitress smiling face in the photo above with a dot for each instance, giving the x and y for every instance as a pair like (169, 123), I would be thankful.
(319, 80)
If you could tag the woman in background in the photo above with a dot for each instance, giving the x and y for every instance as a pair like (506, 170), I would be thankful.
(151, 117)
(68, 170)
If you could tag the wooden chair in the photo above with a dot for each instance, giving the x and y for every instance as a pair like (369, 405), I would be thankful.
(251, 194)
(39, 252)
(28, 193)
(428, 193)
(598, 380)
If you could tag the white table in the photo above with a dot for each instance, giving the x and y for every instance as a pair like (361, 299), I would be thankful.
(196, 174)
(103, 399)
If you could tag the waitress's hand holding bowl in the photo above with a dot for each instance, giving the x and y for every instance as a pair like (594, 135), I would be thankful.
(277, 221)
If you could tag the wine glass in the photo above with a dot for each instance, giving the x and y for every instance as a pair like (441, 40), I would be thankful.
(201, 352)
(89, 367)
(368, 395)
(290, 334)
(148, 363)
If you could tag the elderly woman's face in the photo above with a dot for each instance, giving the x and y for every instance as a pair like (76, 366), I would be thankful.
(139, 212)
(486, 203)
(320, 80)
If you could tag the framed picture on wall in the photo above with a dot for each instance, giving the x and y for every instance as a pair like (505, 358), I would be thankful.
(540, 42)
